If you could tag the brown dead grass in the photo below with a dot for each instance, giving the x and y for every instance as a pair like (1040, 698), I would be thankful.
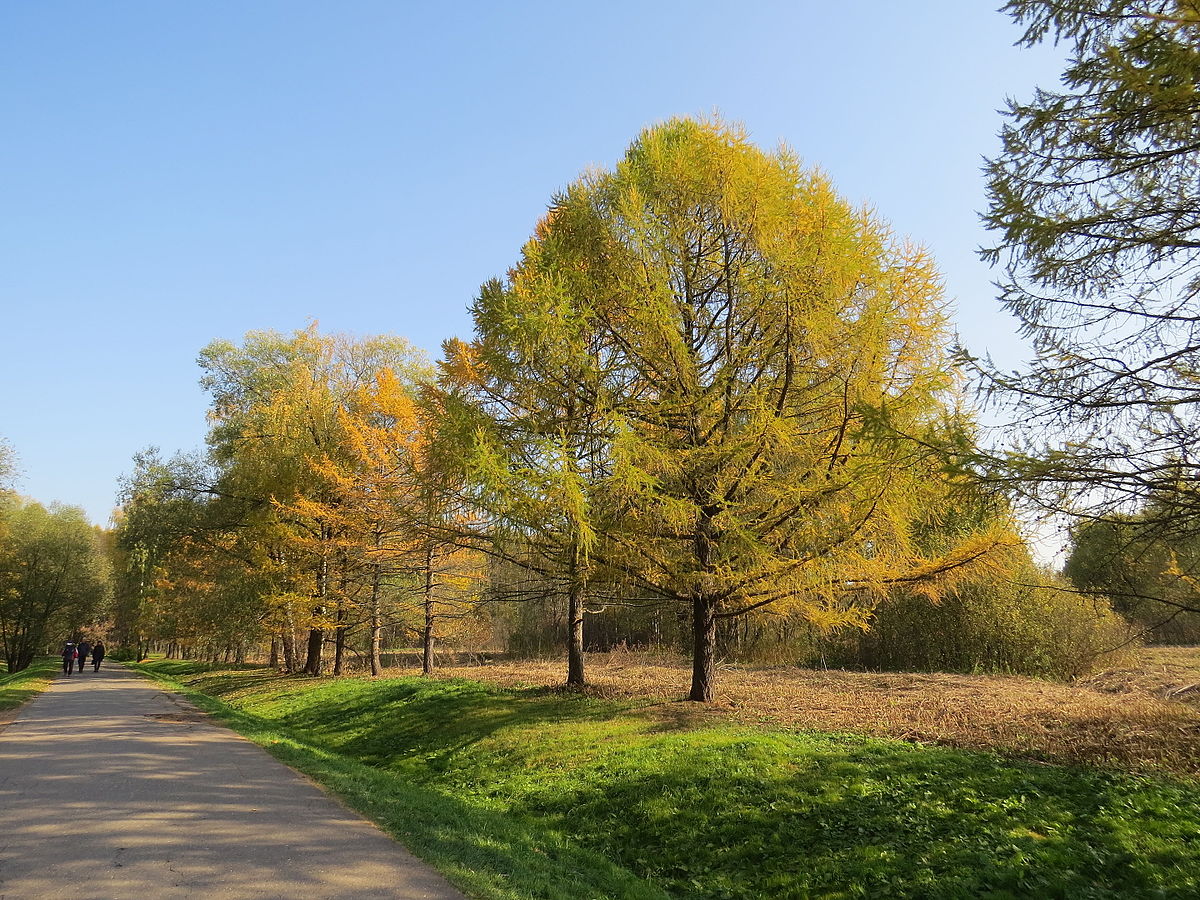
(1124, 719)
(1172, 673)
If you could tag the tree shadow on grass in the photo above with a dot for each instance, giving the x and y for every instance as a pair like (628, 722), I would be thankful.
(731, 814)
(727, 812)
(386, 722)
(489, 853)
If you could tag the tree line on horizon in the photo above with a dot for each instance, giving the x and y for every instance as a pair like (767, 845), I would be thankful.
(55, 571)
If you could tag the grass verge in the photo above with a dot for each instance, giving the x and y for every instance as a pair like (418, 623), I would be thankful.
(523, 793)
(18, 687)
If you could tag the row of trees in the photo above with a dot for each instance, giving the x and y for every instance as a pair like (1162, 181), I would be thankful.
(54, 571)
(309, 514)
(709, 388)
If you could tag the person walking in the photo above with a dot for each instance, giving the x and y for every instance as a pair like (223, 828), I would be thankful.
(97, 656)
(84, 649)
(68, 657)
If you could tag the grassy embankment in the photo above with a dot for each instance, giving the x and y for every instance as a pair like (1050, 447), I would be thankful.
(520, 793)
(18, 687)
(1119, 719)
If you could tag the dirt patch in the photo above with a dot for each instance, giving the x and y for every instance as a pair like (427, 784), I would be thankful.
(1126, 720)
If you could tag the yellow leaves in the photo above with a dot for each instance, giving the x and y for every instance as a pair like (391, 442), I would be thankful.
(381, 426)
(1185, 577)
(746, 336)
(991, 553)
(295, 607)
(829, 616)
(460, 363)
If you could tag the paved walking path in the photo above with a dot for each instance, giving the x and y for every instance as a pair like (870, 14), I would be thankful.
(113, 789)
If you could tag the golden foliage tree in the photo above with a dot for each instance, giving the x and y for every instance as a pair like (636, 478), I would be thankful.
(387, 518)
(748, 349)
(277, 414)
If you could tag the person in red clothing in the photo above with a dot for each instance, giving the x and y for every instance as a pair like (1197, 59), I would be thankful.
(69, 655)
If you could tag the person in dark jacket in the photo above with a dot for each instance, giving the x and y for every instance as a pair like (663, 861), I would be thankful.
(97, 656)
(84, 649)
(68, 657)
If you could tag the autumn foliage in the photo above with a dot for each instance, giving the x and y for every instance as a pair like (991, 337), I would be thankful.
(710, 395)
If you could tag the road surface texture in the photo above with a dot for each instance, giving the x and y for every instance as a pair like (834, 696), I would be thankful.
(113, 789)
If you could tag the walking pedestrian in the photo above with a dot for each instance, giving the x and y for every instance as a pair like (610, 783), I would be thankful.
(97, 656)
(68, 657)
(84, 649)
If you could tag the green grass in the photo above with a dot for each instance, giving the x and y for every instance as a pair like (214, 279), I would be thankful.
(530, 793)
(15, 689)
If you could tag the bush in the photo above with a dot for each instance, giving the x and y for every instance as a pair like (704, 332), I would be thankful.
(1030, 624)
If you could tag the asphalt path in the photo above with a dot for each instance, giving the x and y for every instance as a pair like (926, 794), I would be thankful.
(113, 789)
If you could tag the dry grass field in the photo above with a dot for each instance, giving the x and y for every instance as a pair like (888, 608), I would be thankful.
(1143, 718)
(1172, 673)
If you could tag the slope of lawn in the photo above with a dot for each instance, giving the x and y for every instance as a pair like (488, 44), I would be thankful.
(18, 687)
(1118, 719)
(531, 793)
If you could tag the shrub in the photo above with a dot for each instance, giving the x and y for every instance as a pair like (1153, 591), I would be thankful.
(1028, 624)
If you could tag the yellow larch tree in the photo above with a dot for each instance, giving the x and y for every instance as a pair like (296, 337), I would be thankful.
(763, 367)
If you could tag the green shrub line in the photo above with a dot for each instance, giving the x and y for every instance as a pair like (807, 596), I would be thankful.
(530, 793)
(19, 687)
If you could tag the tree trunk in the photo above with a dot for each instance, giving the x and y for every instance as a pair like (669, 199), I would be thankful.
(339, 637)
(704, 638)
(376, 623)
(427, 635)
(704, 609)
(288, 639)
(273, 662)
(339, 642)
(576, 592)
(316, 642)
(316, 636)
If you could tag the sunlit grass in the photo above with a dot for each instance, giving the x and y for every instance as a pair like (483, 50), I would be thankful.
(18, 687)
(533, 793)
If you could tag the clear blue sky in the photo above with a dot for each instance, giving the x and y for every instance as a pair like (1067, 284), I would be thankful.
(171, 173)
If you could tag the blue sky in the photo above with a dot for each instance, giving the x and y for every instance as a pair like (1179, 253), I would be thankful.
(171, 173)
